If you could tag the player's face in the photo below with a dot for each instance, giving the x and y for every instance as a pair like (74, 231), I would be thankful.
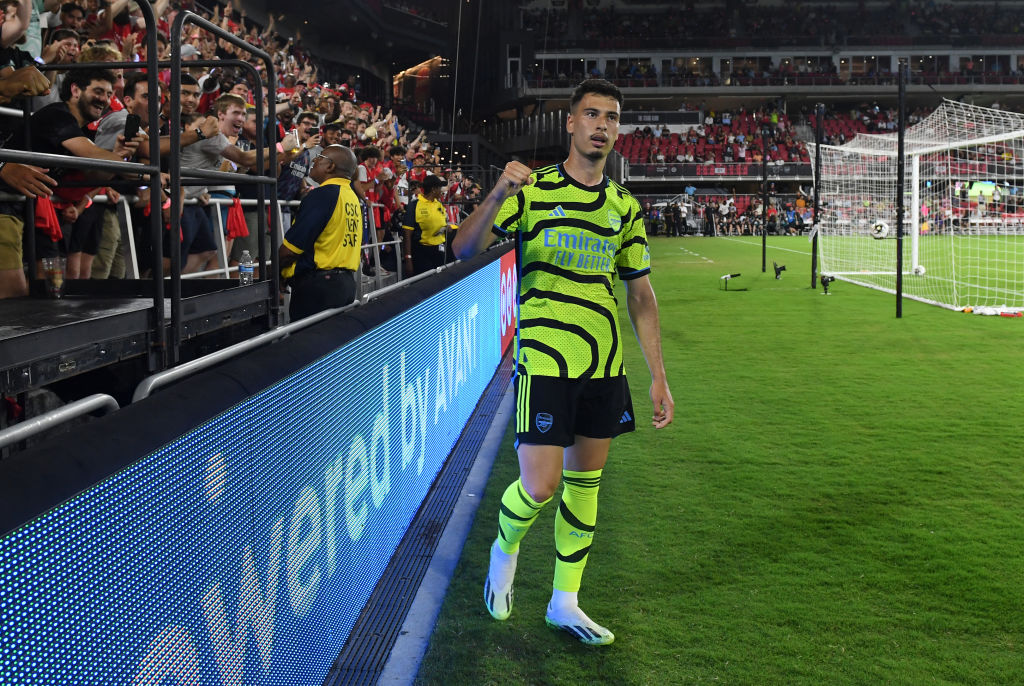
(594, 125)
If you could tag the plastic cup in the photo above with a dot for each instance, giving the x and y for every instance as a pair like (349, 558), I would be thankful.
(53, 272)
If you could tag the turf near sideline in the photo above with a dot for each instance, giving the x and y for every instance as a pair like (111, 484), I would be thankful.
(838, 500)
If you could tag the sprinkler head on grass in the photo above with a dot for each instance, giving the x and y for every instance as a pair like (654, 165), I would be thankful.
(724, 280)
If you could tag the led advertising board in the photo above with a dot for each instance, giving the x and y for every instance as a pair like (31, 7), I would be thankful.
(509, 293)
(243, 552)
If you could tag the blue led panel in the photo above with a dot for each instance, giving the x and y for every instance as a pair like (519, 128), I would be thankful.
(243, 552)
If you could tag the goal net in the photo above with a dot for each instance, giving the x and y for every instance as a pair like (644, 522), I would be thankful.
(963, 198)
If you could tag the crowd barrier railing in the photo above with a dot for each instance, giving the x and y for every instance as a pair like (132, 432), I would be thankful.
(151, 383)
(98, 402)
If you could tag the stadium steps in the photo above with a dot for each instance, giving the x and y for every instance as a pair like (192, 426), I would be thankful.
(366, 651)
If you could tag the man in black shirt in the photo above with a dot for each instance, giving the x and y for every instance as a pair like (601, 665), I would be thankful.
(60, 129)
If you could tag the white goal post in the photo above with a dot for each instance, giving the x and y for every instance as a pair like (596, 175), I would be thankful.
(964, 209)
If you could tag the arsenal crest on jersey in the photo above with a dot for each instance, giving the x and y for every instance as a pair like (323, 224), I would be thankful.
(614, 221)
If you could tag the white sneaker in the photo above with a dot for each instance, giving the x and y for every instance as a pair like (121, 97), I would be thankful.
(574, 621)
(498, 587)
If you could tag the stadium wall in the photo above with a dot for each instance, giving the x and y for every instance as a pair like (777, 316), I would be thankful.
(230, 529)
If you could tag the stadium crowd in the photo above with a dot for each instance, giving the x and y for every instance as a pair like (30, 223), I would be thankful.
(842, 126)
(83, 113)
(639, 73)
(723, 137)
(737, 24)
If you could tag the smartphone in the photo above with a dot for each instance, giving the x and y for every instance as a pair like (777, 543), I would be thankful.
(131, 126)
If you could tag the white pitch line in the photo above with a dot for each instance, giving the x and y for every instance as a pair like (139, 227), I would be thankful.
(758, 244)
(704, 259)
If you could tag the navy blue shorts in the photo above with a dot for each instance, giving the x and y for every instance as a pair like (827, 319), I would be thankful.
(553, 411)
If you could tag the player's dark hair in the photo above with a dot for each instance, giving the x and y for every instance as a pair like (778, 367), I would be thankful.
(596, 86)
(82, 78)
(188, 80)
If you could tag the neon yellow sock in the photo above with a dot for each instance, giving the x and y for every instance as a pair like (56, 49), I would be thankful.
(518, 512)
(575, 523)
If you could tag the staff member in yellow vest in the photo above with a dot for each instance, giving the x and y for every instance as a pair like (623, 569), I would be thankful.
(425, 224)
(320, 252)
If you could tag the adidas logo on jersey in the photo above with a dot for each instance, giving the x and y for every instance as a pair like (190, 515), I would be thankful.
(557, 212)
(625, 417)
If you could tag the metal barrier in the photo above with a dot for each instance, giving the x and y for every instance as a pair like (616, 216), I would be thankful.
(45, 422)
(155, 381)
(225, 268)
(177, 172)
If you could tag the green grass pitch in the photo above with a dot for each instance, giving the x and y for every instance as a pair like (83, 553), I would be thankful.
(840, 499)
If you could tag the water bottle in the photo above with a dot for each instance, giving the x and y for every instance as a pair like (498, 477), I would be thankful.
(245, 269)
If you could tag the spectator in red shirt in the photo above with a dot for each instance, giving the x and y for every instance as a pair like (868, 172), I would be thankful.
(419, 169)
(396, 160)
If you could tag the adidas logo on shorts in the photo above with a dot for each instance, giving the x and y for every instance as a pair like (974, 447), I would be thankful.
(625, 417)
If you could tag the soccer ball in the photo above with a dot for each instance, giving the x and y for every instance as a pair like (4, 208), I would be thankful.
(879, 229)
(919, 270)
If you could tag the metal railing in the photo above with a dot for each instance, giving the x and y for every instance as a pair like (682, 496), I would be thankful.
(176, 172)
(44, 422)
(155, 381)
(219, 234)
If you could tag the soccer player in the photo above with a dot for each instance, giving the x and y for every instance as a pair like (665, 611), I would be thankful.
(577, 231)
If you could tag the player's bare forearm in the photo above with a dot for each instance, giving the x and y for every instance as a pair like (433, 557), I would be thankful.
(474, 234)
(643, 313)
